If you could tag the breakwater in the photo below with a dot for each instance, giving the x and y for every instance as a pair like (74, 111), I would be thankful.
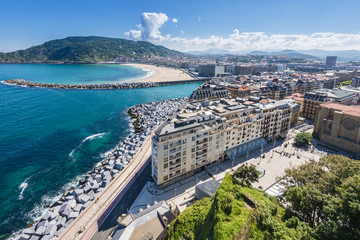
(63, 212)
(118, 85)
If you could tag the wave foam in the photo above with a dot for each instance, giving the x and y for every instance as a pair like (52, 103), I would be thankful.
(23, 186)
(92, 137)
(98, 135)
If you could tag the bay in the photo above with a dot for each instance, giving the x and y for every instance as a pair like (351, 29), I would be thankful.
(49, 137)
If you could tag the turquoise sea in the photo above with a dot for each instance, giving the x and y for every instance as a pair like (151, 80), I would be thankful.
(49, 137)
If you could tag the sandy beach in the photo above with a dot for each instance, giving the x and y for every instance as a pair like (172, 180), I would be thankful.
(162, 74)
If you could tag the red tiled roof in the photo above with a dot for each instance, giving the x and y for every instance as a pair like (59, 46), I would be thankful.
(264, 101)
(296, 97)
(243, 88)
(350, 110)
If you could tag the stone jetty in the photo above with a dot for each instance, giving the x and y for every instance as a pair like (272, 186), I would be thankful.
(63, 212)
(98, 86)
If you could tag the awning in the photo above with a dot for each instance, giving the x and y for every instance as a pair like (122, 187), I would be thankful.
(243, 149)
(283, 134)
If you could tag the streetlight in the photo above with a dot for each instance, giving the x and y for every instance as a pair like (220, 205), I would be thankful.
(274, 143)
(175, 197)
(261, 152)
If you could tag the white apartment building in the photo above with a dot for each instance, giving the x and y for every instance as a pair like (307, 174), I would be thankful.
(202, 135)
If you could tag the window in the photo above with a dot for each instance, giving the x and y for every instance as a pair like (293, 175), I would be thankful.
(184, 141)
(166, 147)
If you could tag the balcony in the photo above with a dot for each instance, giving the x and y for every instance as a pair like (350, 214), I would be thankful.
(205, 145)
(201, 152)
(205, 140)
(172, 145)
(172, 163)
(178, 155)
(201, 159)
(174, 150)
(171, 169)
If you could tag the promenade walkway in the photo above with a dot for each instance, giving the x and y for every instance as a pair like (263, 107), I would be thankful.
(87, 223)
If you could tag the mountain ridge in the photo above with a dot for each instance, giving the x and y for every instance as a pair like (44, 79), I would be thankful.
(86, 49)
(315, 54)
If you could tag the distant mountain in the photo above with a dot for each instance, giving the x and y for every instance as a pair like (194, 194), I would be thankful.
(343, 55)
(87, 50)
(258, 53)
(287, 53)
(210, 51)
(315, 54)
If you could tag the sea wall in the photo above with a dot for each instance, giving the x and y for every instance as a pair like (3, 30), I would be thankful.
(63, 212)
(118, 85)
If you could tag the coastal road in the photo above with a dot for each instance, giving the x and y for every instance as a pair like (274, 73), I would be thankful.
(94, 215)
(127, 199)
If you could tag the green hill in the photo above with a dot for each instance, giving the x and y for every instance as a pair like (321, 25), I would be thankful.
(324, 194)
(231, 214)
(86, 50)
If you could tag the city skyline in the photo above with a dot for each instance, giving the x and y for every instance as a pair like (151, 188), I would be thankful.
(187, 26)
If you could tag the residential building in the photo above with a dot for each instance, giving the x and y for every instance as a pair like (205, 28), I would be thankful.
(338, 125)
(312, 100)
(330, 62)
(306, 85)
(236, 91)
(209, 91)
(201, 134)
(326, 83)
(299, 99)
(355, 83)
(277, 91)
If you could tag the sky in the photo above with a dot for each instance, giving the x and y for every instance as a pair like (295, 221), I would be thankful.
(233, 25)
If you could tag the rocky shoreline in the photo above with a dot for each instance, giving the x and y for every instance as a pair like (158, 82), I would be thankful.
(63, 212)
(117, 85)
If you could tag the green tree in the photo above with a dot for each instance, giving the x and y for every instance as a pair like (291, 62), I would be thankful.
(303, 138)
(227, 203)
(247, 174)
(87, 50)
(326, 194)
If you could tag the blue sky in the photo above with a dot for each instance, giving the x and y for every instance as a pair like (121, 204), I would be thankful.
(235, 25)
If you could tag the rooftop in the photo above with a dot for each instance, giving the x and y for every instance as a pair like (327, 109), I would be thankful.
(147, 222)
(350, 110)
(333, 93)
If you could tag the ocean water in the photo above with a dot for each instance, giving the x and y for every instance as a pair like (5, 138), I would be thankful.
(71, 74)
(49, 137)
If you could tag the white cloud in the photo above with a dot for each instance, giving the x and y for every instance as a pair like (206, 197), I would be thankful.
(248, 41)
(148, 29)
(175, 20)
(199, 18)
